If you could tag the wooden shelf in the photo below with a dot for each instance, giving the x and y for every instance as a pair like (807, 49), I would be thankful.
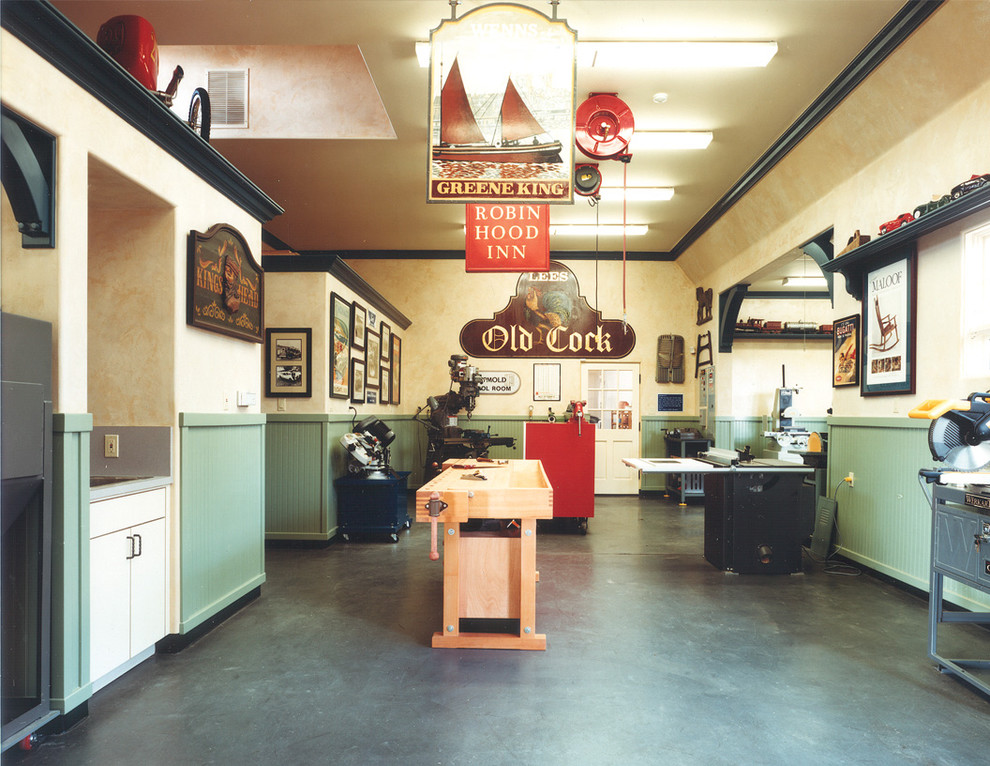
(867, 257)
(782, 336)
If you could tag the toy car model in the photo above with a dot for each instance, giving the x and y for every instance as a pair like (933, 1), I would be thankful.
(974, 183)
(903, 218)
(929, 207)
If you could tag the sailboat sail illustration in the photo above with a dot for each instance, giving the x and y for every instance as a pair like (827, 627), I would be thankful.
(462, 139)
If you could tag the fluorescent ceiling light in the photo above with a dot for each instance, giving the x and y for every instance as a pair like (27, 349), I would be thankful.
(675, 55)
(805, 282)
(423, 54)
(638, 193)
(660, 55)
(603, 230)
(670, 139)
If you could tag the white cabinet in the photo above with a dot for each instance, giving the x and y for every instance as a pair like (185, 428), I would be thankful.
(127, 579)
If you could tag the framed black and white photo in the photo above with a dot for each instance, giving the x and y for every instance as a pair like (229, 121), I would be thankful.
(289, 357)
(386, 387)
(359, 321)
(357, 381)
(386, 331)
(396, 369)
(373, 358)
(890, 294)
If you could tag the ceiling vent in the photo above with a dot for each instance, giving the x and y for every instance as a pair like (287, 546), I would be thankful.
(228, 97)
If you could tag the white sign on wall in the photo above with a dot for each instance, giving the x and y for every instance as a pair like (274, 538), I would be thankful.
(499, 383)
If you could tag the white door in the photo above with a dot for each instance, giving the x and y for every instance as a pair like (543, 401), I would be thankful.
(612, 393)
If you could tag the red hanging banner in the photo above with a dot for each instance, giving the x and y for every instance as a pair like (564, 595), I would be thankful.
(507, 238)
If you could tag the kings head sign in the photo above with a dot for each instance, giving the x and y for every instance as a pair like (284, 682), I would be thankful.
(548, 318)
(501, 107)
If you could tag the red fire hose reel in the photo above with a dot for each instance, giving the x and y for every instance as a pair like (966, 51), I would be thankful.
(604, 126)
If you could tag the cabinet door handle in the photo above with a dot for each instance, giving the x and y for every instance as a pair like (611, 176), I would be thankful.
(132, 554)
(139, 545)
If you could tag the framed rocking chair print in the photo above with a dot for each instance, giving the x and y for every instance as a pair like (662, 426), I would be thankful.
(890, 306)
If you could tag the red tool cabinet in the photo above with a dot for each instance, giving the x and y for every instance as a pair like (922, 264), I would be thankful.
(567, 451)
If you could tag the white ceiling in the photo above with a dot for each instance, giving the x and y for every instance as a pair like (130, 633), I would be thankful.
(370, 195)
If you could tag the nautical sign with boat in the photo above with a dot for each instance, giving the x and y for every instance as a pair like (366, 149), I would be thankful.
(519, 133)
(502, 108)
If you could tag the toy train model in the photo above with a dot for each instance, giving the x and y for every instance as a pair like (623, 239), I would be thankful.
(771, 327)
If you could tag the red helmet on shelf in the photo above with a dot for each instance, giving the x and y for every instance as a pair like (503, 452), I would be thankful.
(130, 41)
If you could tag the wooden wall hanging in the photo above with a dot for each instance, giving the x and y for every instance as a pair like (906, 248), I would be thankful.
(225, 285)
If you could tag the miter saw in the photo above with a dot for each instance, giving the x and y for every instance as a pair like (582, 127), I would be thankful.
(367, 449)
(959, 436)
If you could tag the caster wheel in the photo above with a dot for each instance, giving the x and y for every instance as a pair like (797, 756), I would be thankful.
(346, 537)
(394, 537)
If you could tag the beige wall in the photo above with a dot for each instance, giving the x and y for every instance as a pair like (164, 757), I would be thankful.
(303, 300)
(440, 298)
(124, 211)
(916, 127)
(291, 89)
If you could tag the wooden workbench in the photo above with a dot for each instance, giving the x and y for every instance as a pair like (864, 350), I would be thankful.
(489, 575)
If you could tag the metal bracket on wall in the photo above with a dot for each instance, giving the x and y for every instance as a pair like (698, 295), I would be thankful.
(29, 179)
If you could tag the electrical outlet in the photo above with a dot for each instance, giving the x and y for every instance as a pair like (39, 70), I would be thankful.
(111, 445)
(851, 478)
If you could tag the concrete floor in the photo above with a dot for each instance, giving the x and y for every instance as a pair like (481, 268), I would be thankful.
(654, 657)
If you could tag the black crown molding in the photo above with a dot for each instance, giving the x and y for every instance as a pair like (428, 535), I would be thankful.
(452, 255)
(57, 40)
(335, 267)
(898, 29)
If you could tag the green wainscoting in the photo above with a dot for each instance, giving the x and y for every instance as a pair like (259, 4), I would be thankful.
(884, 521)
(299, 501)
(741, 432)
(222, 512)
(70, 681)
(652, 444)
(303, 457)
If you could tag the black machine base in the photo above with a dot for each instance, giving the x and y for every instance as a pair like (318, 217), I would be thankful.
(755, 523)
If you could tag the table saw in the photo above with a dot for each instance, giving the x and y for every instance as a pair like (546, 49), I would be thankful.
(757, 511)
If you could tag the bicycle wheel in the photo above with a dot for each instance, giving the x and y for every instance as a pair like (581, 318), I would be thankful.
(199, 113)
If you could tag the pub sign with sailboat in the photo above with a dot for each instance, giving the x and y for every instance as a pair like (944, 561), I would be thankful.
(502, 107)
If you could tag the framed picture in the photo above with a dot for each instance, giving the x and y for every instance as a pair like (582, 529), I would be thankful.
(546, 382)
(890, 296)
(340, 347)
(845, 351)
(386, 389)
(396, 369)
(359, 322)
(357, 381)
(373, 358)
(371, 396)
(386, 341)
(225, 291)
(289, 356)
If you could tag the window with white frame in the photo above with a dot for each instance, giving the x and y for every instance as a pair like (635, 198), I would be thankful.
(976, 304)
